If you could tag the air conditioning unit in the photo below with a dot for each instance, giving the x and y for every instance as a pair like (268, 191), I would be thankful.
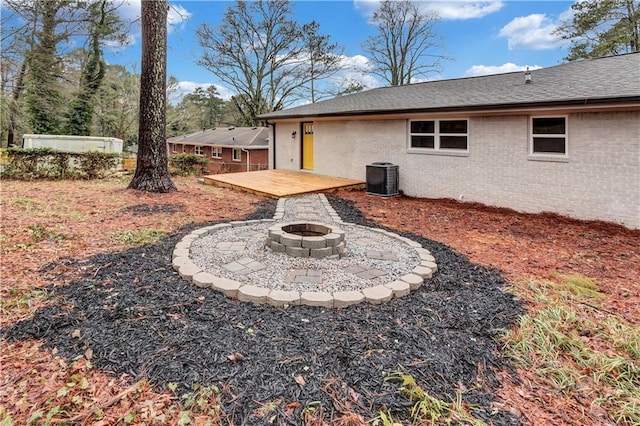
(382, 179)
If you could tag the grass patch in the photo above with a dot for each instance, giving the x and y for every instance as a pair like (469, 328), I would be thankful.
(40, 232)
(25, 300)
(427, 408)
(17, 302)
(139, 236)
(578, 349)
(25, 203)
(36, 209)
(576, 284)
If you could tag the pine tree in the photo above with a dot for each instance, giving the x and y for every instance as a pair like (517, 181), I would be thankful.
(602, 28)
(152, 170)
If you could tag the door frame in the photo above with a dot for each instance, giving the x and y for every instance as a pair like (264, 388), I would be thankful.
(302, 150)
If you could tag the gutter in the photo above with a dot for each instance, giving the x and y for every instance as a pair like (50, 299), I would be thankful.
(248, 158)
(471, 108)
(274, 141)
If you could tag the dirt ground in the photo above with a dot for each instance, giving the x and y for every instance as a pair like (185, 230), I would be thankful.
(46, 222)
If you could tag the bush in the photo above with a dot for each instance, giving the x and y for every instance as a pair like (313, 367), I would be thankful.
(93, 165)
(187, 164)
(48, 163)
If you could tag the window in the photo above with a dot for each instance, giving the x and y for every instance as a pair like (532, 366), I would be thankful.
(439, 135)
(549, 135)
(197, 150)
(237, 154)
(174, 148)
(216, 152)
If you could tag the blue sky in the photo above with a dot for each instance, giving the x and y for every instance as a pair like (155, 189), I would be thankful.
(481, 36)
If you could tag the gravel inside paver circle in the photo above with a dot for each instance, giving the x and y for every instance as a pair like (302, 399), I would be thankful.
(372, 258)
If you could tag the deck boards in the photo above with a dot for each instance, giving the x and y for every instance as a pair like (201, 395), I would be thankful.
(281, 183)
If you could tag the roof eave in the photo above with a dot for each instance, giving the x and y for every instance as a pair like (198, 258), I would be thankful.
(470, 108)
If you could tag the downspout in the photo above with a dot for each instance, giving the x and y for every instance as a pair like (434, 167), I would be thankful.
(248, 159)
(274, 142)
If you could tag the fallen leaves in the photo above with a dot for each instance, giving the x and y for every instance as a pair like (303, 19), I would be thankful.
(236, 356)
(33, 380)
(78, 220)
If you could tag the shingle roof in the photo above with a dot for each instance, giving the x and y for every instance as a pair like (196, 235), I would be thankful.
(228, 137)
(610, 79)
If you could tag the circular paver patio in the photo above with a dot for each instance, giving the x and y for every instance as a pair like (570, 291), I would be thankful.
(233, 258)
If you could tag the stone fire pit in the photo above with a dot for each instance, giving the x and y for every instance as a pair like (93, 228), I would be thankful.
(310, 239)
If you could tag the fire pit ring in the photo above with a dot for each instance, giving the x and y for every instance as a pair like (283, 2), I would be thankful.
(307, 239)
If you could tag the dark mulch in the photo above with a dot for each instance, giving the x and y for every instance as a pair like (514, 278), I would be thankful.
(139, 317)
(150, 209)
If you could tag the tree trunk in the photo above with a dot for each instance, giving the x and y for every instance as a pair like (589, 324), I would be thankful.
(152, 171)
(13, 113)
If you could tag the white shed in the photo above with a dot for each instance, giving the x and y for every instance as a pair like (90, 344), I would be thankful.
(73, 143)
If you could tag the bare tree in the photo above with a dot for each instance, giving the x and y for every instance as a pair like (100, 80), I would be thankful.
(12, 82)
(253, 52)
(102, 24)
(403, 47)
(323, 58)
(34, 34)
(152, 170)
(266, 57)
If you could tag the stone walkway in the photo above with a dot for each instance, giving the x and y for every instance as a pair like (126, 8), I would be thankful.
(310, 208)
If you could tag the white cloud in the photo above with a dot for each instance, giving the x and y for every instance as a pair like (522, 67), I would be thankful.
(477, 70)
(356, 69)
(446, 10)
(366, 7)
(357, 61)
(177, 17)
(465, 9)
(534, 31)
(129, 11)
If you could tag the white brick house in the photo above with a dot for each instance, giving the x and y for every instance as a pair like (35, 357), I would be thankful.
(567, 140)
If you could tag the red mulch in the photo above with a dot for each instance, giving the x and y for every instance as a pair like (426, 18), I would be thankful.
(527, 247)
(523, 246)
(43, 222)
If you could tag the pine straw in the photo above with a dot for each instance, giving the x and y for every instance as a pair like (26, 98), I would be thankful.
(71, 225)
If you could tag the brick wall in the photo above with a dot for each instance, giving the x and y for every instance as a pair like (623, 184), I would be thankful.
(600, 179)
(259, 159)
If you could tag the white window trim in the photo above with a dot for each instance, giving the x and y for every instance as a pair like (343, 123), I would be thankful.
(549, 156)
(216, 150)
(436, 150)
(196, 149)
(233, 154)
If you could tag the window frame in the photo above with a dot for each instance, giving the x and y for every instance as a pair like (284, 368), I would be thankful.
(216, 152)
(174, 147)
(549, 155)
(233, 154)
(437, 137)
(197, 150)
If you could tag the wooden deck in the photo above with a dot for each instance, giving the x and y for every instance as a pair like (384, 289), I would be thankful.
(281, 183)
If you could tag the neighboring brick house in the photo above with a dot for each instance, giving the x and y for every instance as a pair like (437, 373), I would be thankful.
(228, 149)
(563, 139)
